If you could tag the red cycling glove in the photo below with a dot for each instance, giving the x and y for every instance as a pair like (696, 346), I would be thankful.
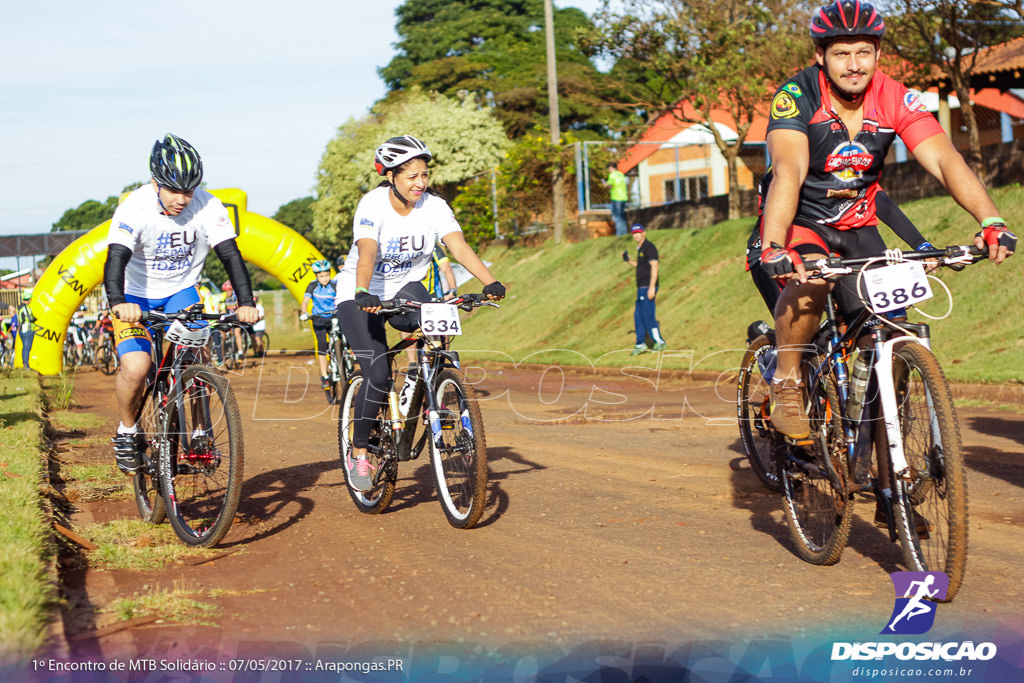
(779, 261)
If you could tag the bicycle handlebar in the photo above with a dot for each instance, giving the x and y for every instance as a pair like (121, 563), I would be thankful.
(949, 256)
(466, 302)
(186, 316)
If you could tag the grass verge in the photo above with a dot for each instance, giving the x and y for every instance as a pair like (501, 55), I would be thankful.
(27, 589)
(573, 303)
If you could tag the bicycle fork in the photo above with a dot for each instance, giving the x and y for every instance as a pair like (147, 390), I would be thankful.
(890, 404)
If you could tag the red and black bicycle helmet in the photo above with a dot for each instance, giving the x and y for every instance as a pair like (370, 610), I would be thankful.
(846, 19)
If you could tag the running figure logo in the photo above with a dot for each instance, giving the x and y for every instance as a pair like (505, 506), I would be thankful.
(914, 612)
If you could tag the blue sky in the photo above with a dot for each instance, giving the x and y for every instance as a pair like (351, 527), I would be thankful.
(258, 87)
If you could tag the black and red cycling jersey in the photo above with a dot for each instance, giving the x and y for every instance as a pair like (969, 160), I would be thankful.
(843, 174)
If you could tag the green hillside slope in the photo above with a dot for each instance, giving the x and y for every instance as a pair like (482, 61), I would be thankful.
(573, 303)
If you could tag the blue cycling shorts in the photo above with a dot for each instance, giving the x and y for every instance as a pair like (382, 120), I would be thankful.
(135, 336)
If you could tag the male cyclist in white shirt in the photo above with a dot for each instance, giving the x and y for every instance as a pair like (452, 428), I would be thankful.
(159, 238)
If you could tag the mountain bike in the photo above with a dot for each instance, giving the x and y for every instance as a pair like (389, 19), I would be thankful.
(106, 355)
(443, 404)
(895, 405)
(6, 351)
(341, 362)
(193, 454)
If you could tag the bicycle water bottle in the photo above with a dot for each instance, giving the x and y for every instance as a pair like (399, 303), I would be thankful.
(397, 422)
(405, 396)
(859, 385)
(766, 361)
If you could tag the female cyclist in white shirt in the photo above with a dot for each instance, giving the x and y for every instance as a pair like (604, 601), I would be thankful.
(394, 231)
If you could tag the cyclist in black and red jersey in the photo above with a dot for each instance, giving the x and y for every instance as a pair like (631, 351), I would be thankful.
(829, 129)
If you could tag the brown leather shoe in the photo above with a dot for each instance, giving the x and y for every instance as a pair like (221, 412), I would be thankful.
(788, 414)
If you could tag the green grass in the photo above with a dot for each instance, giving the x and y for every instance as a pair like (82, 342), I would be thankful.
(135, 544)
(71, 420)
(27, 589)
(573, 303)
(178, 605)
(95, 482)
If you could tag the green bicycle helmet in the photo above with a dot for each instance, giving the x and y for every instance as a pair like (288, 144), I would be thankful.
(175, 164)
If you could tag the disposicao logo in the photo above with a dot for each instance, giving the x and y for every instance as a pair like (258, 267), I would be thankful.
(914, 612)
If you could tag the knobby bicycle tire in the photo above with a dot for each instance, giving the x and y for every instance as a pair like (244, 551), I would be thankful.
(934, 496)
(819, 511)
(108, 358)
(336, 374)
(458, 452)
(203, 456)
(381, 454)
(752, 398)
(149, 497)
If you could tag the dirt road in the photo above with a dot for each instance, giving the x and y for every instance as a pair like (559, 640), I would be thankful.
(621, 511)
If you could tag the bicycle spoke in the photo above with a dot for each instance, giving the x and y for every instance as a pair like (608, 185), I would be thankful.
(203, 477)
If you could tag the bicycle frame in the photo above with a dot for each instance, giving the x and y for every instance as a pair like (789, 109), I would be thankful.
(431, 357)
(881, 369)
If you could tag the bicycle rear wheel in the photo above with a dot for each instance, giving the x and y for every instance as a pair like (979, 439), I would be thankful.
(930, 502)
(458, 450)
(149, 497)
(202, 474)
(752, 401)
(818, 509)
(381, 453)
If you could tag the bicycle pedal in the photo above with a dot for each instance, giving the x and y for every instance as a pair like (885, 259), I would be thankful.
(805, 441)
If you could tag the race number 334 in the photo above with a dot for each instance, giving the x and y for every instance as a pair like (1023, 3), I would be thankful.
(897, 286)
(440, 319)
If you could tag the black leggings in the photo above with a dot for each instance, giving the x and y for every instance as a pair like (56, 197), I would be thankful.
(368, 340)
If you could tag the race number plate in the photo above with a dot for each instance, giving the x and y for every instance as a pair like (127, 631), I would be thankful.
(897, 286)
(440, 319)
(180, 334)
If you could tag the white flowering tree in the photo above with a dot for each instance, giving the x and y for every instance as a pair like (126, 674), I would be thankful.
(465, 141)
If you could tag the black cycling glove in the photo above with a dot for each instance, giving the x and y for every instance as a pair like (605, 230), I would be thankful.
(495, 289)
(367, 300)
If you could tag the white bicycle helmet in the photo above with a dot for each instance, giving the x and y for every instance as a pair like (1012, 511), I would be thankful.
(396, 151)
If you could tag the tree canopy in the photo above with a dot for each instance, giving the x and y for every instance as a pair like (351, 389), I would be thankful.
(950, 35)
(713, 55)
(495, 49)
(464, 139)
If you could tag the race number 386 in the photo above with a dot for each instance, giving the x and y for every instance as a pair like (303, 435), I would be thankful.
(897, 286)
(440, 319)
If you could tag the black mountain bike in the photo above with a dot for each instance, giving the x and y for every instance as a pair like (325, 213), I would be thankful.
(888, 424)
(341, 363)
(193, 454)
(445, 412)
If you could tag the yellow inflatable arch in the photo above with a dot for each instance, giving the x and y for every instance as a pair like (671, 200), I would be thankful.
(272, 246)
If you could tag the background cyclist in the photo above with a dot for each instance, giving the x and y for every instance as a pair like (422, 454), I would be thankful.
(159, 238)
(394, 231)
(829, 129)
(320, 295)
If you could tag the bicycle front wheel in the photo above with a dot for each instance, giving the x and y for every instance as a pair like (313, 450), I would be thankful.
(202, 471)
(930, 500)
(818, 509)
(381, 454)
(458, 450)
(752, 402)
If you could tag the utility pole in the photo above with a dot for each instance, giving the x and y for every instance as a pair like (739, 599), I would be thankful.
(557, 179)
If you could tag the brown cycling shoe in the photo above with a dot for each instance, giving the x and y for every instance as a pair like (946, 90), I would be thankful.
(787, 411)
